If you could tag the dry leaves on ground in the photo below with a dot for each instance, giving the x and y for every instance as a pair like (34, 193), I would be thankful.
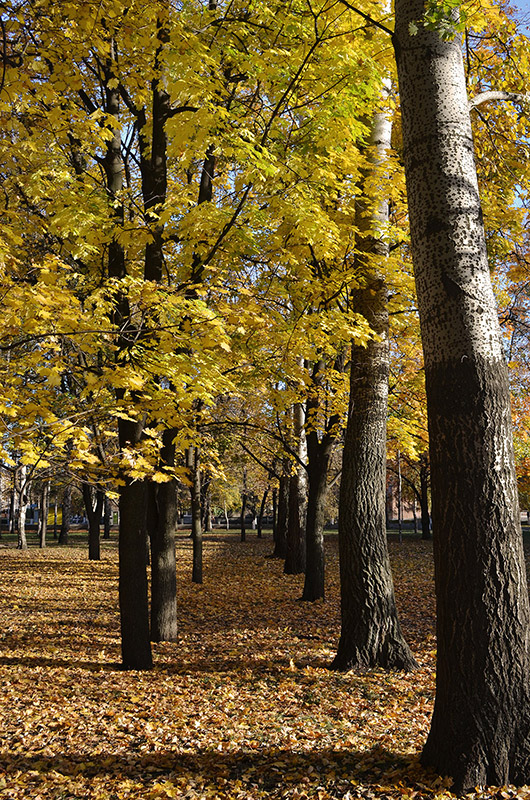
(243, 706)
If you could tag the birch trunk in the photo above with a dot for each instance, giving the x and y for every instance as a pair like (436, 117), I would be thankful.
(480, 727)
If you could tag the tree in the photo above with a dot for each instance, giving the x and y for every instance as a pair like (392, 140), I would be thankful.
(481, 721)
(370, 631)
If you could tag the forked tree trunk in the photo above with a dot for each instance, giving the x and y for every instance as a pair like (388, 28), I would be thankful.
(481, 721)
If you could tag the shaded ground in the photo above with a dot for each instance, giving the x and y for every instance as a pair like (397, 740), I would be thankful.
(243, 706)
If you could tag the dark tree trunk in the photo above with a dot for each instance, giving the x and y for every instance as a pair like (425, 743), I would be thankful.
(280, 542)
(274, 513)
(370, 631)
(206, 507)
(43, 519)
(55, 509)
(93, 512)
(424, 497)
(107, 515)
(243, 514)
(196, 529)
(162, 524)
(132, 545)
(318, 466)
(261, 512)
(480, 730)
(66, 515)
(134, 613)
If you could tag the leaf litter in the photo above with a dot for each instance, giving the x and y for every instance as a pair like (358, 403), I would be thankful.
(242, 707)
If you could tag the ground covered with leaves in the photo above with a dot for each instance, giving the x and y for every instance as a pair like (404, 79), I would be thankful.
(243, 706)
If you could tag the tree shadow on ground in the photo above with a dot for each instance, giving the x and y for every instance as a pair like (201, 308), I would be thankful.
(268, 769)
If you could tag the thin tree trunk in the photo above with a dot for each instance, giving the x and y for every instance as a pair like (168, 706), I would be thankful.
(22, 543)
(43, 519)
(480, 730)
(107, 513)
(93, 512)
(424, 495)
(280, 542)
(55, 509)
(295, 558)
(66, 515)
(274, 512)
(261, 512)
(243, 514)
(196, 529)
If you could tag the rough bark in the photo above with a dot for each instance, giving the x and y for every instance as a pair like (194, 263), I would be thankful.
(481, 721)
(162, 523)
(370, 631)
(320, 446)
(318, 467)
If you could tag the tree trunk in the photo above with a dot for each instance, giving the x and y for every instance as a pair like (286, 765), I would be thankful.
(93, 513)
(424, 497)
(481, 721)
(295, 558)
(162, 523)
(280, 542)
(43, 519)
(370, 630)
(107, 515)
(134, 614)
(55, 509)
(318, 458)
(259, 525)
(196, 529)
(66, 516)
(22, 543)
(243, 514)
(274, 512)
